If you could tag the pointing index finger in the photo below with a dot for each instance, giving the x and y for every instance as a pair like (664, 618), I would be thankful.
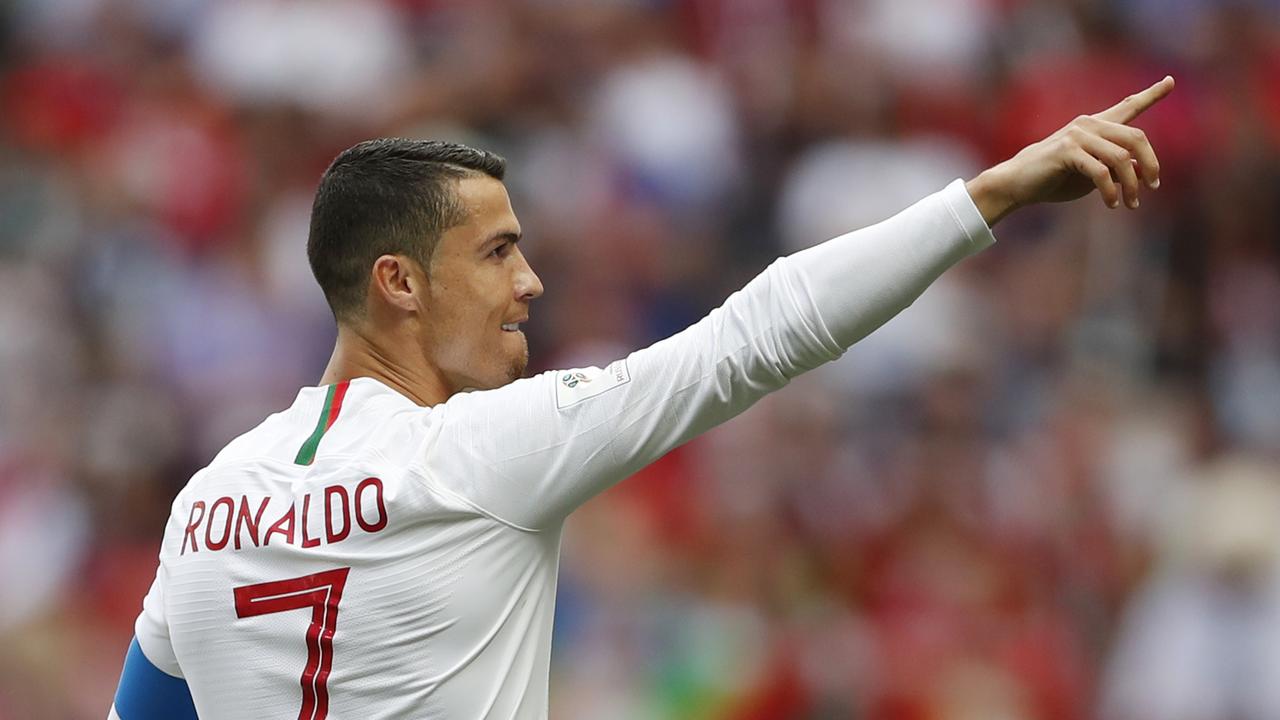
(1131, 107)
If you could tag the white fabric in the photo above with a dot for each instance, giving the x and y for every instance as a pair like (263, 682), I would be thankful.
(447, 611)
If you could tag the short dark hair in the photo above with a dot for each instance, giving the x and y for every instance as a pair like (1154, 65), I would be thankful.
(386, 196)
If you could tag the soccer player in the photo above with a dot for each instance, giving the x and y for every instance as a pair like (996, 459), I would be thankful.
(387, 546)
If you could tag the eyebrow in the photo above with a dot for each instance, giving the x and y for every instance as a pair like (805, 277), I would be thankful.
(511, 237)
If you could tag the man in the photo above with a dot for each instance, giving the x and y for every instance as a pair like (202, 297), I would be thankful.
(388, 545)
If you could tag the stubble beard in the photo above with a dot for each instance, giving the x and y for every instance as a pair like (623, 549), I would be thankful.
(516, 369)
(513, 371)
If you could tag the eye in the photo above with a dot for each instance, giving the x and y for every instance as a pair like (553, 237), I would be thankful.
(502, 250)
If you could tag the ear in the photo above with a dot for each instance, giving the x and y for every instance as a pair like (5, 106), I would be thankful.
(397, 281)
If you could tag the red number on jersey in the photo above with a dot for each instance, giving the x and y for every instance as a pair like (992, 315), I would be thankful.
(321, 592)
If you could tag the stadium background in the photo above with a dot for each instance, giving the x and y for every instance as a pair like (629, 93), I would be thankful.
(1048, 490)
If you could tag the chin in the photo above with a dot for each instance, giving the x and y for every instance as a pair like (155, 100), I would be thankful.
(512, 372)
(502, 368)
(519, 361)
(516, 370)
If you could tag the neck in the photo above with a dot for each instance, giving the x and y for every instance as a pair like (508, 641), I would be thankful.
(395, 362)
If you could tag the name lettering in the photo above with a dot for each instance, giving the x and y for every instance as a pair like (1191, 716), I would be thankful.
(236, 521)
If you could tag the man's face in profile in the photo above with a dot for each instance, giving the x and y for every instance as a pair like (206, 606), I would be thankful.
(479, 290)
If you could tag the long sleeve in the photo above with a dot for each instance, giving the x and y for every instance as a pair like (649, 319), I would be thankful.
(856, 282)
(531, 452)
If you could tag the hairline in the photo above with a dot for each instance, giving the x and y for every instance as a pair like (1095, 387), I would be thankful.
(459, 213)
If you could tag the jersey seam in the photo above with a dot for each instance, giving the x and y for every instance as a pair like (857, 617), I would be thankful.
(973, 244)
(433, 486)
(168, 640)
(827, 343)
(955, 217)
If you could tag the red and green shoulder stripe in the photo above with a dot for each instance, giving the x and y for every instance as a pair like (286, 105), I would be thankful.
(332, 406)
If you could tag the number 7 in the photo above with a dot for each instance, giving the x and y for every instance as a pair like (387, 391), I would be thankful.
(321, 592)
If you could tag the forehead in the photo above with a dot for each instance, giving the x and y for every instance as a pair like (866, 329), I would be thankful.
(486, 209)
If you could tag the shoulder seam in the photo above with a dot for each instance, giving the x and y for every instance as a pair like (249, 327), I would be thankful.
(433, 486)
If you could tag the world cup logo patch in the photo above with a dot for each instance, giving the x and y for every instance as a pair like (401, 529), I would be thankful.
(571, 379)
(575, 386)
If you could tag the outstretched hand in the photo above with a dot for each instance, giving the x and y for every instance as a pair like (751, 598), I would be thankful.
(1093, 151)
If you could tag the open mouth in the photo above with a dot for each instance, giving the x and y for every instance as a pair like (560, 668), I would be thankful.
(511, 327)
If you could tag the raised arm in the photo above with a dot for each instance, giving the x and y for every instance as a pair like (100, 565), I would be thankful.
(531, 452)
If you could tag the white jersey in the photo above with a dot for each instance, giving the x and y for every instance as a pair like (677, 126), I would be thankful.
(360, 556)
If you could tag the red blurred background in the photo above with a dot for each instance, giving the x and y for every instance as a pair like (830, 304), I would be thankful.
(1048, 490)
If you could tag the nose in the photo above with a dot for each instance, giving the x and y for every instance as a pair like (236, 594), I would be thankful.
(528, 286)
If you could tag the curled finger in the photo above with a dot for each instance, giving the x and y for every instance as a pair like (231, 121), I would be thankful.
(1136, 142)
(1118, 161)
(1100, 174)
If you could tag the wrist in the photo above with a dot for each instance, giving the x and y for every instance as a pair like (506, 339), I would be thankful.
(988, 193)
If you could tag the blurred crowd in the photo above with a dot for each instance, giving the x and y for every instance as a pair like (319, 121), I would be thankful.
(1049, 490)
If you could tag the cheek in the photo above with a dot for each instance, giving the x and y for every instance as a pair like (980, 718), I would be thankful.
(467, 313)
